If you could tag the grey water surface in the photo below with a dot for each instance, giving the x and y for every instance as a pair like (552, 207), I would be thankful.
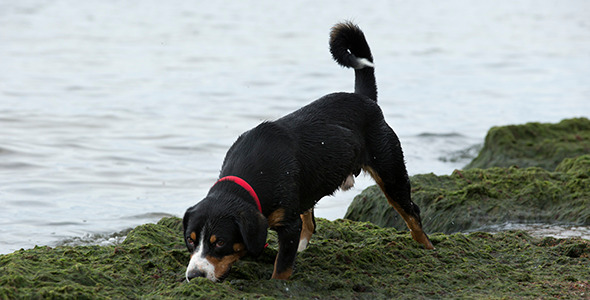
(117, 113)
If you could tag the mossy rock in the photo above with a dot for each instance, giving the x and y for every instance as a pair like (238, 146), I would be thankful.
(471, 199)
(534, 144)
(345, 260)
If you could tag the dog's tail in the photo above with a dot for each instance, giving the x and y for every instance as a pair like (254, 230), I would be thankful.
(350, 49)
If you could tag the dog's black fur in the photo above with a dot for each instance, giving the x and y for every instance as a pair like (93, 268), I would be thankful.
(292, 163)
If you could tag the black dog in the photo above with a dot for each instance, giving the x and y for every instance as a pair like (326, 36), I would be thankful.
(274, 174)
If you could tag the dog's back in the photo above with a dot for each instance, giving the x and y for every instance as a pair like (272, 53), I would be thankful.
(320, 144)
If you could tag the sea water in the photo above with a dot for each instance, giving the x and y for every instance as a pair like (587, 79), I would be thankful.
(117, 113)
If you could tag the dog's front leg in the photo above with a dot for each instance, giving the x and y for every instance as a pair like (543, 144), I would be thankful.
(288, 235)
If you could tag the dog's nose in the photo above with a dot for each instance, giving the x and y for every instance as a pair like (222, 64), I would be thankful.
(194, 273)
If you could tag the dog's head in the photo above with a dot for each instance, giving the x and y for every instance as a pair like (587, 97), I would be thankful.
(218, 236)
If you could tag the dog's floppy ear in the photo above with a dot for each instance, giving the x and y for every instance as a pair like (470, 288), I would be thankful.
(253, 227)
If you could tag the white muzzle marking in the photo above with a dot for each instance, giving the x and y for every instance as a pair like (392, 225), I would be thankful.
(200, 263)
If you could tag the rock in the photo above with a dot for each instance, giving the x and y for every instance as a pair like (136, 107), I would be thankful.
(349, 260)
(345, 260)
(534, 173)
(534, 144)
(471, 199)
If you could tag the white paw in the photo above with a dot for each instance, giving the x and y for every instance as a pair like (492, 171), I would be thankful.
(302, 245)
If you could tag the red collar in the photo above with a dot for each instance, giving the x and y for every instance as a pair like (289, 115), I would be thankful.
(241, 182)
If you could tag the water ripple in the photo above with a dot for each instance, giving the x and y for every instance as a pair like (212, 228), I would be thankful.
(112, 116)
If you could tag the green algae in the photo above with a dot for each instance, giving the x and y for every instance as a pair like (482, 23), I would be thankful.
(150, 252)
(472, 199)
(534, 144)
(345, 260)
(360, 260)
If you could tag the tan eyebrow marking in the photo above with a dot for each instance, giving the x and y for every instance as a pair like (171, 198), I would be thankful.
(239, 247)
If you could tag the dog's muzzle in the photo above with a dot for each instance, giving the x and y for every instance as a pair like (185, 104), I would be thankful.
(190, 274)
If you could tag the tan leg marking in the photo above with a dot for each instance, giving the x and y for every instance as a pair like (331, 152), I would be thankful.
(283, 275)
(276, 217)
(413, 224)
(307, 229)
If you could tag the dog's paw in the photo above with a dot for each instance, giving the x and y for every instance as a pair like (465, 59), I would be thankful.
(302, 245)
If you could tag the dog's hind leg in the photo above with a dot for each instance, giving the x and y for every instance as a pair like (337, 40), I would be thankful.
(401, 202)
(388, 170)
(307, 229)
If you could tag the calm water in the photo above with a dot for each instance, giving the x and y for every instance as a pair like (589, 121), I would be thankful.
(114, 114)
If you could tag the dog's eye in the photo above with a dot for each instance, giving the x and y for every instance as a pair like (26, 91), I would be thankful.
(219, 244)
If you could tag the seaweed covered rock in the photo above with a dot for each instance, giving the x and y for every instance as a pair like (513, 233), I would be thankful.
(471, 199)
(128, 270)
(534, 144)
(345, 260)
